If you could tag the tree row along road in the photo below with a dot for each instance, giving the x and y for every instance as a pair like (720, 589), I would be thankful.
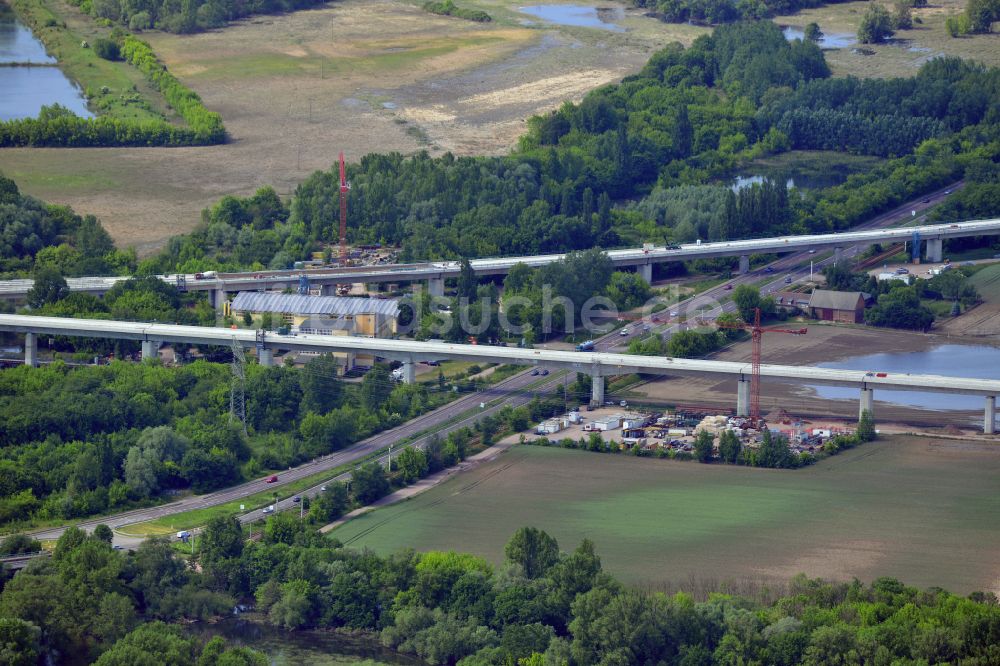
(514, 389)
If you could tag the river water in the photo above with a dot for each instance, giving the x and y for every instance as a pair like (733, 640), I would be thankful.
(578, 15)
(978, 362)
(29, 78)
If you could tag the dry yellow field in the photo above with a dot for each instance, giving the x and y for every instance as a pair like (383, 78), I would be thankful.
(359, 76)
(381, 75)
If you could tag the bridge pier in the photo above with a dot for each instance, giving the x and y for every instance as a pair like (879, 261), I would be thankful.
(646, 271)
(838, 255)
(217, 297)
(265, 357)
(935, 249)
(596, 390)
(31, 349)
(744, 264)
(409, 372)
(989, 422)
(150, 349)
(435, 286)
(867, 402)
(743, 397)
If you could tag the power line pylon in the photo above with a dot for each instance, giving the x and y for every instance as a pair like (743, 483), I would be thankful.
(238, 389)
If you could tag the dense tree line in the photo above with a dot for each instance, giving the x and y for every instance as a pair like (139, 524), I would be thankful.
(72, 607)
(206, 125)
(124, 433)
(35, 236)
(541, 607)
(185, 17)
(722, 11)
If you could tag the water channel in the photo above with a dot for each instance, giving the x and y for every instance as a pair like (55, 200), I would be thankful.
(833, 40)
(973, 361)
(29, 78)
(604, 18)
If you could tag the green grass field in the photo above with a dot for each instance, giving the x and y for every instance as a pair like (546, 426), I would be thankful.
(921, 510)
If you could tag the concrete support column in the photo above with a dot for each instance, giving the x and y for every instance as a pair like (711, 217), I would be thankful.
(744, 264)
(265, 357)
(150, 349)
(646, 271)
(935, 249)
(409, 372)
(990, 417)
(867, 402)
(435, 286)
(31, 349)
(838, 254)
(596, 390)
(217, 297)
(743, 397)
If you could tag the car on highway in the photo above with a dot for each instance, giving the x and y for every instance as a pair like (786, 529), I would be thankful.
(646, 327)
(675, 313)
(534, 372)
(902, 271)
(271, 479)
(296, 499)
(268, 509)
(947, 191)
(926, 201)
(728, 287)
(322, 489)
(788, 279)
(812, 251)
(768, 269)
(544, 372)
(624, 332)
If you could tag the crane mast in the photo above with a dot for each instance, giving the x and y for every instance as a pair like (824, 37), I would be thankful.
(756, 334)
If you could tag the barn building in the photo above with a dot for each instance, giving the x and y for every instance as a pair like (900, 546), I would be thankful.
(845, 307)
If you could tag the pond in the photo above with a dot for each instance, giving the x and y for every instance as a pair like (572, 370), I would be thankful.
(833, 40)
(29, 78)
(801, 181)
(603, 18)
(978, 362)
(305, 648)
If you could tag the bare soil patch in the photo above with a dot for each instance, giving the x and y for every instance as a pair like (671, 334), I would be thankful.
(822, 343)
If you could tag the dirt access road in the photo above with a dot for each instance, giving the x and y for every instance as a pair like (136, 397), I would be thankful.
(355, 75)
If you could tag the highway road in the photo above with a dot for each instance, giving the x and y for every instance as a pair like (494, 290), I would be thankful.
(230, 282)
(514, 389)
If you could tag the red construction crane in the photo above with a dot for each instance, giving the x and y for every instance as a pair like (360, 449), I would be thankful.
(344, 187)
(756, 333)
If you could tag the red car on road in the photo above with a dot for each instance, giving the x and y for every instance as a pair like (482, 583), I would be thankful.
(272, 479)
